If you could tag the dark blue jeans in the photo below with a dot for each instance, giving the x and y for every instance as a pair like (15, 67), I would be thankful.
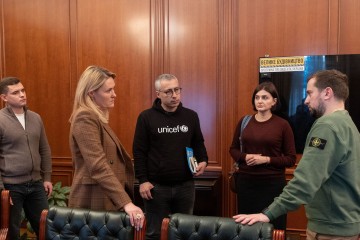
(32, 197)
(167, 199)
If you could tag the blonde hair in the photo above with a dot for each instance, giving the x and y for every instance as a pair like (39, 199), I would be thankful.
(90, 80)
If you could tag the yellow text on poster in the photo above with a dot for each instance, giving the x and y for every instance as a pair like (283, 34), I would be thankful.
(282, 64)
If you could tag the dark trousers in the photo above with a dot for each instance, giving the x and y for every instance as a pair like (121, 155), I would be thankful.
(254, 195)
(167, 199)
(32, 197)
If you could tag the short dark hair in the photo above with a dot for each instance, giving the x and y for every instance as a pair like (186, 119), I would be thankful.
(7, 81)
(270, 88)
(333, 79)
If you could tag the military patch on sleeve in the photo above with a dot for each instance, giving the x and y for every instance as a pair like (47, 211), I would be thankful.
(317, 143)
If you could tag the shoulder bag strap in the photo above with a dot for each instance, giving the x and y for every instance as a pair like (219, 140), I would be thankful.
(244, 122)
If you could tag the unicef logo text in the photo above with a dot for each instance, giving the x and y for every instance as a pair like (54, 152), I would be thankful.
(176, 129)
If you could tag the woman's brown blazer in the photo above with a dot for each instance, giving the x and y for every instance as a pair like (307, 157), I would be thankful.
(104, 173)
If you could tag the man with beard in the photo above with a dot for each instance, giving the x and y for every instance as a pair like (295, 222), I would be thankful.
(327, 179)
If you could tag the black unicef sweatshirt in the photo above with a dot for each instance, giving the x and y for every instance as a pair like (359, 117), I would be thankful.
(160, 142)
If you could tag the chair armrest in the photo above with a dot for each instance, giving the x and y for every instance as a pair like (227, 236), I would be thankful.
(5, 214)
(5, 208)
(140, 235)
(278, 234)
(164, 229)
(42, 227)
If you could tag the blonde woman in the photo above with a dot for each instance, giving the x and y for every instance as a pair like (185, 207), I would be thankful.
(104, 174)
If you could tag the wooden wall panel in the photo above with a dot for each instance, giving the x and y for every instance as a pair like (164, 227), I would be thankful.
(36, 49)
(62, 171)
(276, 28)
(349, 27)
(199, 43)
(193, 48)
(304, 27)
(333, 41)
(116, 35)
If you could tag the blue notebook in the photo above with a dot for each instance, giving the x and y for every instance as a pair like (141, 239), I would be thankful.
(191, 159)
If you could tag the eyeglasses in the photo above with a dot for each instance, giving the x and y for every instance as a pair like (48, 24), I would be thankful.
(170, 92)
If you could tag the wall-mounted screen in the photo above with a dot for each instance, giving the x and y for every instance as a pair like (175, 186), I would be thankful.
(290, 74)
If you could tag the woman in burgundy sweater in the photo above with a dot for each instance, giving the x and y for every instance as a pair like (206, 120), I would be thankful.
(268, 147)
